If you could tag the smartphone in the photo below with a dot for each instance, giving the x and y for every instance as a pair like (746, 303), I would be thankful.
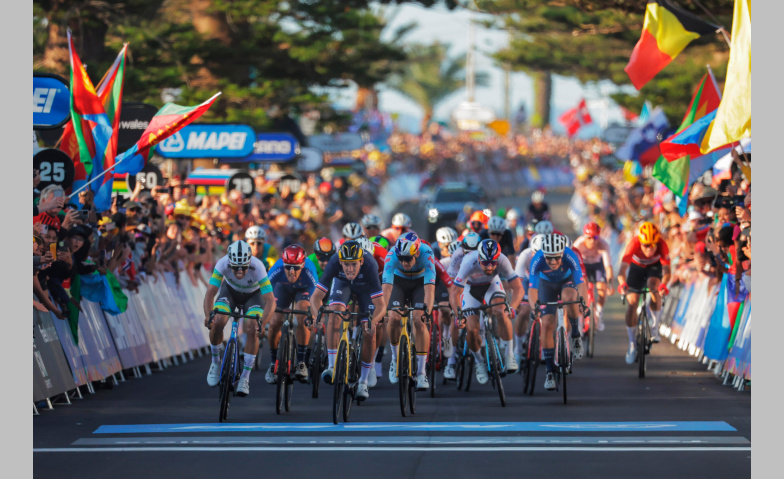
(84, 215)
(53, 249)
(44, 229)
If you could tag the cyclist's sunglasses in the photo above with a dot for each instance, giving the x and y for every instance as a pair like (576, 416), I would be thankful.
(292, 267)
(405, 259)
(239, 268)
(590, 237)
(256, 242)
(323, 259)
(477, 225)
(553, 259)
(647, 246)
(488, 263)
(398, 228)
(496, 233)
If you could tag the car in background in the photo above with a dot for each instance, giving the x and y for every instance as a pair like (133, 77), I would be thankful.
(445, 204)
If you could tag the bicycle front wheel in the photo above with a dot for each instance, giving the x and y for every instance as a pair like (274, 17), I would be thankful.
(642, 342)
(563, 359)
(412, 384)
(316, 364)
(433, 359)
(338, 381)
(494, 363)
(591, 332)
(227, 377)
(402, 373)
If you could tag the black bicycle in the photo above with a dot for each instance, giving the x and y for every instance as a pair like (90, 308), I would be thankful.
(533, 355)
(230, 363)
(407, 360)
(464, 360)
(496, 368)
(644, 341)
(318, 358)
(285, 364)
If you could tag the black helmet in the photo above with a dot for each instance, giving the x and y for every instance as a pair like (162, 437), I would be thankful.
(351, 251)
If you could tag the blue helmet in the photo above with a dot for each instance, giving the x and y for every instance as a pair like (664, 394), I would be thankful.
(489, 250)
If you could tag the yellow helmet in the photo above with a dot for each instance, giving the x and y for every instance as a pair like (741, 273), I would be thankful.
(648, 234)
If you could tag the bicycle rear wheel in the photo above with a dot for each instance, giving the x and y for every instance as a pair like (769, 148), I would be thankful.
(433, 357)
(469, 366)
(402, 373)
(338, 381)
(495, 365)
(289, 392)
(534, 355)
(227, 377)
(412, 383)
(460, 363)
(280, 370)
(642, 341)
(316, 364)
(591, 332)
(563, 359)
(348, 397)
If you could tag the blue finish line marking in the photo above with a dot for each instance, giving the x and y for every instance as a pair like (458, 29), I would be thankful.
(425, 427)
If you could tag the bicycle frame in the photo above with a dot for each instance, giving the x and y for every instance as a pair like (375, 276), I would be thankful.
(407, 331)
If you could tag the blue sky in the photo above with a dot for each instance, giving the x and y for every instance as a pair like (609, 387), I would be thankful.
(452, 27)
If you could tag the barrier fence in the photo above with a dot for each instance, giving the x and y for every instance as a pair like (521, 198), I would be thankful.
(162, 325)
(696, 315)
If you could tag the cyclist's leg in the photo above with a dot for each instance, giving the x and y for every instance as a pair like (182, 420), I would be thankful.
(600, 293)
(283, 298)
(416, 297)
(368, 340)
(252, 305)
(302, 334)
(396, 300)
(339, 296)
(655, 299)
(572, 311)
(472, 324)
(548, 292)
(521, 326)
(225, 304)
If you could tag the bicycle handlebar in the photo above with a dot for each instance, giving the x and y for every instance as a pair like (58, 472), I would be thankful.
(257, 316)
(644, 290)
(467, 312)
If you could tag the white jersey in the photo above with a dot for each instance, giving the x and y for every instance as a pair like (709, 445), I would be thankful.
(454, 265)
(523, 266)
(445, 262)
(471, 271)
(255, 277)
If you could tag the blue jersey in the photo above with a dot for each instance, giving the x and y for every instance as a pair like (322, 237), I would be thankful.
(424, 267)
(307, 278)
(570, 266)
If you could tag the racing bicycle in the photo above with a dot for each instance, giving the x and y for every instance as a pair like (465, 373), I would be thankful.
(533, 355)
(343, 380)
(495, 363)
(285, 363)
(406, 360)
(644, 341)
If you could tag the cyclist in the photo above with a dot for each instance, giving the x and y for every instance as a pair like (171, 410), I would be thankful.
(256, 237)
(530, 231)
(515, 227)
(351, 231)
(538, 209)
(371, 224)
(293, 279)
(239, 279)
(381, 240)
(497, 230)
(444, 236)
(470, 243)
(401, 224)
(555, 270)
(522, 268)
(595, 253)
(323, 251)
(349, 273)
(647, 261)
(409, 278)
(379, 253)
(480, 274)
(477, 222)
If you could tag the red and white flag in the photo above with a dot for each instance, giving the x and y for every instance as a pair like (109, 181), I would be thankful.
(573, 119)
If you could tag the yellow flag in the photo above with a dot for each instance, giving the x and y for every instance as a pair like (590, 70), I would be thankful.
(499, 126)
(733, 118)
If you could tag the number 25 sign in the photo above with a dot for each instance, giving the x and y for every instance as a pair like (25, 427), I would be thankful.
(55, 168)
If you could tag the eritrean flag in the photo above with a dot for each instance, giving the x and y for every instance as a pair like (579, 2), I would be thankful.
(666, 31)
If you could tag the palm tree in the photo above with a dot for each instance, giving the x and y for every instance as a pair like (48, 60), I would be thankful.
(431, 75)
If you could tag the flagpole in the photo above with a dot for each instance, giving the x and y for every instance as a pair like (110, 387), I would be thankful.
(99, 176)
(721, 28)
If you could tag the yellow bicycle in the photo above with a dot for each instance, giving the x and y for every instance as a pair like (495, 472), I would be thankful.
(346, 374)
(406, 361)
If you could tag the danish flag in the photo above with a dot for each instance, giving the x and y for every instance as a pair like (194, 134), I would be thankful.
(573, 119)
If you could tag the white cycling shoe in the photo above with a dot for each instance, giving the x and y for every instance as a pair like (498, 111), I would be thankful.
(511, 365)
(270, 376)
(393, 372)
(213, 377)
(577, 347)
(655, 336)
(243, 388)
(448, 348)
(372, 379)
(549, 382)
(362, 392)
(422, 383)
(481, 372)
(631, 354)
(449, 372)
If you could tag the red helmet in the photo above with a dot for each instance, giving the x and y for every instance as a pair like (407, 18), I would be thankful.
(591, 229)
(293, 254)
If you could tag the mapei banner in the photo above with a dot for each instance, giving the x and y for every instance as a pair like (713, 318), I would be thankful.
(209, 141)
(51, 101)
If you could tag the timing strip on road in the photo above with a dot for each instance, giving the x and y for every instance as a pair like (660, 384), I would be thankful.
(656, 426)
(418, 449)
(478, 441)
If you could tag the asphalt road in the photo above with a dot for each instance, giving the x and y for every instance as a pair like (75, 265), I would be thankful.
(677, 422)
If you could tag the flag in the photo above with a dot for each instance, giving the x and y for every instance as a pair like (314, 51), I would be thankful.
(165, 123)
(645, 112)
(733, 118)
(666, 31)
(629, 115)
(644, 138)
(675, 173)
(573, 119)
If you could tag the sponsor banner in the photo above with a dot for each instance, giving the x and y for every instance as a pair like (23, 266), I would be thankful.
(273, 147)
(98, 352)
(51, 101)
(134, 119)
(337, 142)
(72, 353)
(739, 359)
(51, 373)
(209, 141)
(310, 159)
(129, 337)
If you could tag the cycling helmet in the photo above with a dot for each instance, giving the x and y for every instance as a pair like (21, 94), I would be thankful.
(381, 240)
(324, 249)
(544, 227)
(512, 214)
(256, 233)
(489, 250)
(478, 216)
(239, 253)
(351, 251)
(648, 234)
(531, 226)
(537, 197)
(371, 220)
(401, 219)
(366, 244)
(496, 225)
(471, 241)
(453, 247)
(446, 235)
(536, 242)
(591, 229)
(553, 244)
(407, 245)
(293, 254)
(352, 230)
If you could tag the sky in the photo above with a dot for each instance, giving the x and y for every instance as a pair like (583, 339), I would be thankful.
(440, 24)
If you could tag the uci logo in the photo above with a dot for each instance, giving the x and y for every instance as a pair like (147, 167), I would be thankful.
(337, 291)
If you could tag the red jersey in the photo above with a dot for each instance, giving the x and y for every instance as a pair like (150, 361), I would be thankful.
(379, 254)
(635, 255)
(442, 274)
(582, 263)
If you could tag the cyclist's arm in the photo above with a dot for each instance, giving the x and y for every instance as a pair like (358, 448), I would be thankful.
(517, 293)
(380, 304)
(315, 300)
(533, 295)
(209, 299)
(269, 301)
(430, 296)
(622, 273)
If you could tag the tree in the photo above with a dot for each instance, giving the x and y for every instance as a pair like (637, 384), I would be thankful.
(592, 40)
(431, 75)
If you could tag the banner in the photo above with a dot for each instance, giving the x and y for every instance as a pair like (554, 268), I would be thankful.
(51, 374)
(209, 141)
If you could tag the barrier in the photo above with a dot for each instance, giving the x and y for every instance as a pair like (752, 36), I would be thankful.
(51, 373)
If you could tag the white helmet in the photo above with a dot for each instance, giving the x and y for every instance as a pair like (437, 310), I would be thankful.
(536, 242)
(239, 253)
(256, 233)
(554, 244)
(537, 197)
(471, 241)
(544, 228)
(496, 224)
(366, 244)
(453, 247)
(352, 231)
(401, 219)
(446, 235)
(512, 214)
(371, 220)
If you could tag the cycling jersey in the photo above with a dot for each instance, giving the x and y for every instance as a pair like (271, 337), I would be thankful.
(366, 282)
(391, 234)
(541, 212)
(635, 255)
(380, 255)
(598, 254)
(454, 265)
(471, 273)
(307, 280)
(523, 266)
(255, 277)
(314, 259)
(441, 274)
(570, 267)
(424, 267)
(269, 255)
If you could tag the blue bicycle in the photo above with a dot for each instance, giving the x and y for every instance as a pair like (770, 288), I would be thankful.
(495, 364)
(230, 368)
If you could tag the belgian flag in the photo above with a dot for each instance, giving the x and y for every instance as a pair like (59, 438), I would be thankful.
(666, 31)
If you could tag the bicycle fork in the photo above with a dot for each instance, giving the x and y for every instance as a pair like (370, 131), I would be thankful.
(404, 333)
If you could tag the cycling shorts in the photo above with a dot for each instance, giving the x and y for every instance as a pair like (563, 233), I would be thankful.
(442, 292)
(475, 294)
(285, 294)
(596, 272)
(550, 291)
(638, 275)
(408, 292)
(228, 299)
(340, 293)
